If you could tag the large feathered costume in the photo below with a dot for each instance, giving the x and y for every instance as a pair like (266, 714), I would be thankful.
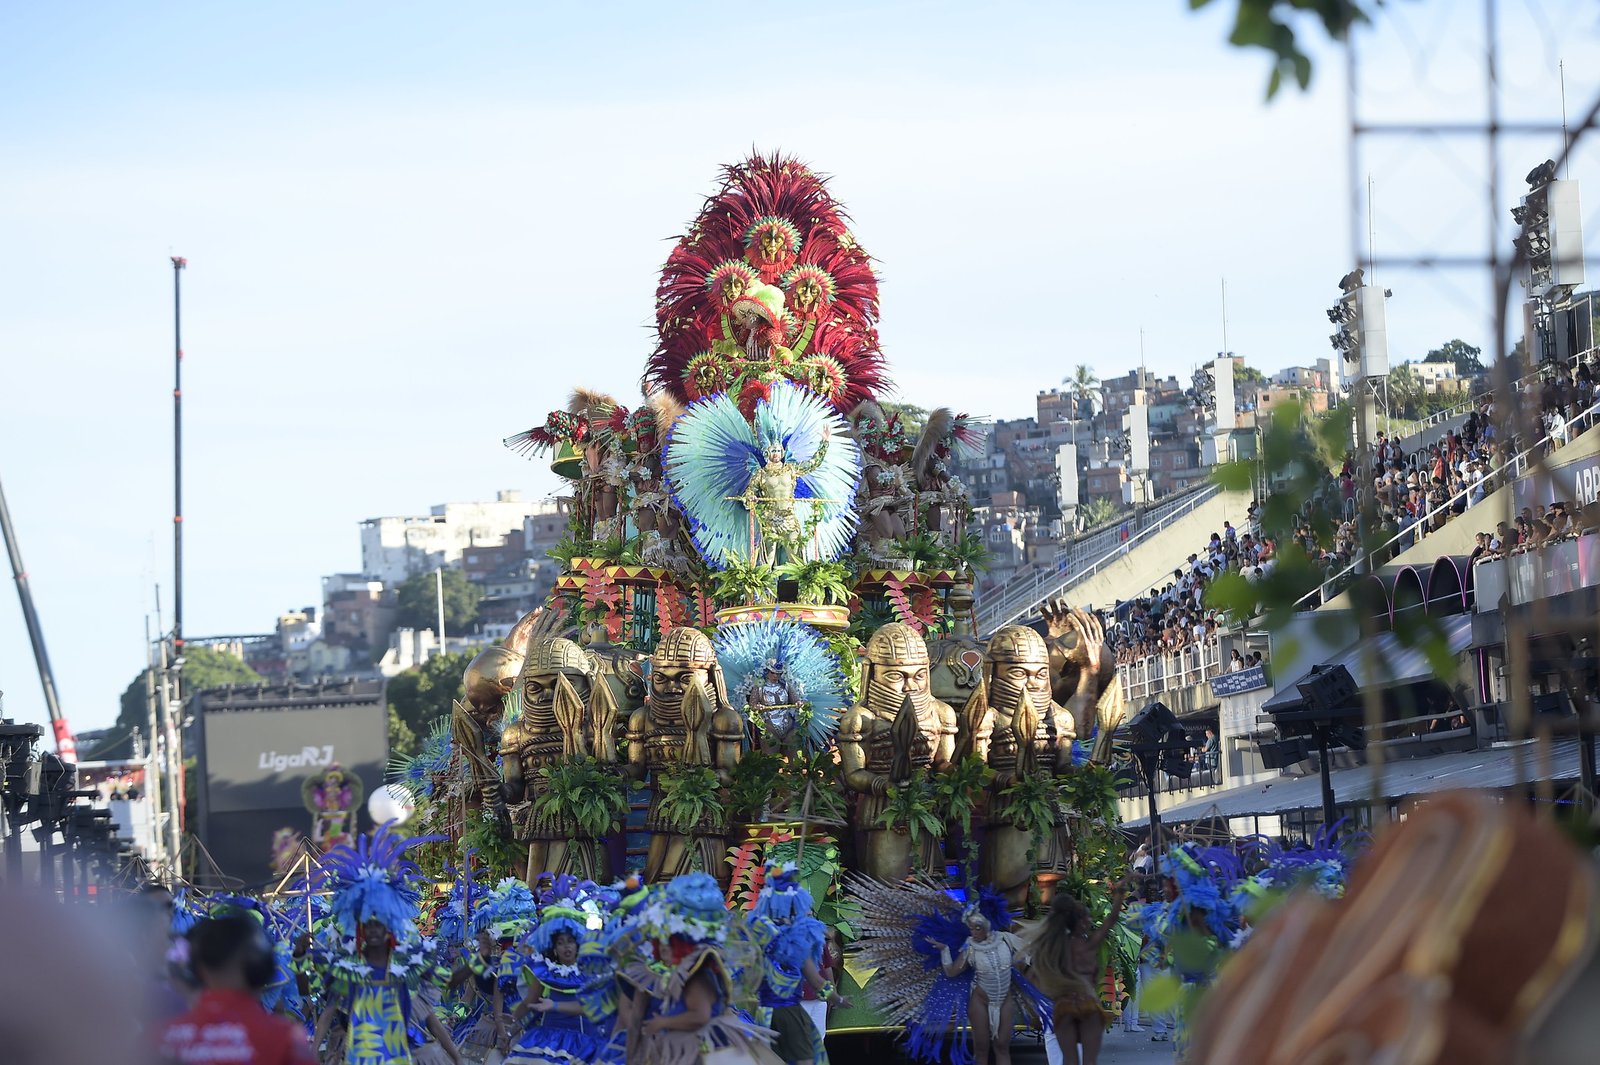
(809, 669)
(714, 450)
(768, 284)
(903, 928)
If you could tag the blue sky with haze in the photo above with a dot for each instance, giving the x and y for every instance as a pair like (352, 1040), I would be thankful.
(411, 229)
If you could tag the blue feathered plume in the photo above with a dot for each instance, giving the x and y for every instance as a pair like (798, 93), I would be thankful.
(415, 772)
(374, 880)
(782, 897)
(510, 905)
(712, 450)
(808, 666)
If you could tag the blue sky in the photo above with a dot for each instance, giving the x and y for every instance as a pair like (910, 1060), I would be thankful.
(411, 230)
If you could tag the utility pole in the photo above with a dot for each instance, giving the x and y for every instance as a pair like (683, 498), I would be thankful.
(66, 746)
(170, 732)
(170, 682)
(178, 264)
(438, 578)
(156, 761)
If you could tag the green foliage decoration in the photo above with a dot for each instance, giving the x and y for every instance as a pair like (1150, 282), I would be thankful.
(593, 795)
(689, 798)
(911, 808)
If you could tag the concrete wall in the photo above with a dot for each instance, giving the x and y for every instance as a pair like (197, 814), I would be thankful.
(1150, 562)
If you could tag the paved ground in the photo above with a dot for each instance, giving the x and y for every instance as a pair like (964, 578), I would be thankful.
(1120, 1048)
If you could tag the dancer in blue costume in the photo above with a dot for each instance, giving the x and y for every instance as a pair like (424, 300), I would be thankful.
(793, 942)
(492, 966)
(680, 955)
(563, 1026)
(375, 900)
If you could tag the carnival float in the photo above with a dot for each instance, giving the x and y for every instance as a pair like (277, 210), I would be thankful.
(761, 646)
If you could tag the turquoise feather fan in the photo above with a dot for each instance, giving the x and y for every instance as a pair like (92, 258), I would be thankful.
(713, 449)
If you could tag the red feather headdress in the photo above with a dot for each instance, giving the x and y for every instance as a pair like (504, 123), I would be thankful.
(773, 221)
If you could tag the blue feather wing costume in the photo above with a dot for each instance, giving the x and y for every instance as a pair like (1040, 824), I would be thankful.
(902, 928)
(808, 666)
(713, 449)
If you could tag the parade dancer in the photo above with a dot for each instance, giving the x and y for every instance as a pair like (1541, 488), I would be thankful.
(682, 956)
(375, 900)
(993, 958)
(793, 942)
(1065, 952)
(945, 971)
(563, 1026)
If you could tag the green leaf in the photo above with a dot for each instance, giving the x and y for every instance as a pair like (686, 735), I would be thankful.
(1234, 476)
(1161, 993)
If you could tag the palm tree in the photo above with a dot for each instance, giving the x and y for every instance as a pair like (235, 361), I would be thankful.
(1405, 390)
(1083, 383)
(1098, 511)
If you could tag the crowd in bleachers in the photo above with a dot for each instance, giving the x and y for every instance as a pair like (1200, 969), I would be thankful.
(1415, 490)
(1175, 616)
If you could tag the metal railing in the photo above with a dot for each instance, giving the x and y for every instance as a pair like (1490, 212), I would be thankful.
(1096, 542)
(1147, 677)
(1016, 601)
(1506, 475)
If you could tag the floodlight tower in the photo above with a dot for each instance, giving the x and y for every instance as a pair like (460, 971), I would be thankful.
(1552, 244)
(1360, 319)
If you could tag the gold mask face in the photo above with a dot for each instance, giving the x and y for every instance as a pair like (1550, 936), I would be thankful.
(772, 242)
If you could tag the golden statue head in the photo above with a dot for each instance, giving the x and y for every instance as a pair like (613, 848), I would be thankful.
(807, 291)
(490, 677)
(683, 656)
(548, 660)
(897, 665)
(1017, 660)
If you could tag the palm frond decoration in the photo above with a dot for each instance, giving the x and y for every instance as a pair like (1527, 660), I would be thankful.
(416, 772)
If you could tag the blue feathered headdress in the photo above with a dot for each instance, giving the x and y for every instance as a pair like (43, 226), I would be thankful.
(782, 897)
(713, 449)
(555, 920)
(374, 880)
(808, 666)
(1206, 879)
(508, 908)
(185, 914)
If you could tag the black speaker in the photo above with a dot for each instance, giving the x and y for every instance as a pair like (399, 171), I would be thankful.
(788, 590)
(1153, 724)
(1281, 754)
(1555, 704)
(1328, 689)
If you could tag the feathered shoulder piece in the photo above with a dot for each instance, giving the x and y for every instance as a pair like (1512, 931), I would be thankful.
(374, 880)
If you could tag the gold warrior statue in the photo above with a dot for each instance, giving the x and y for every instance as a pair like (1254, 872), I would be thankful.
(475, 721)
(898, 727)
(686, 721)
(1019, 730)
(564, 713)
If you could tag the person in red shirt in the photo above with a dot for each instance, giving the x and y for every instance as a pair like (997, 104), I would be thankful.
(232, 959)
